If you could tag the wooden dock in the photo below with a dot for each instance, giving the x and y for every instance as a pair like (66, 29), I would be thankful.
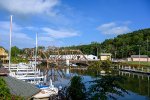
(141, 70)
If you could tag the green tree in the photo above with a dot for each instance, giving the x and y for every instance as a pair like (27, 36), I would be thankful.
(76, 90)
(15, 51)
(4, 91)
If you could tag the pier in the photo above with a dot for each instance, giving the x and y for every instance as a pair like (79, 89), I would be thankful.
(141, 70)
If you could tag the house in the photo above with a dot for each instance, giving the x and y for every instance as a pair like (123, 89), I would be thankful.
(142, 58)
(105, 56)
(3, 55)
(18, 87)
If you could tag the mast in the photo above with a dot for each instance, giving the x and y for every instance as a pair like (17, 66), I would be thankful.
(10, 41)
(35, 56)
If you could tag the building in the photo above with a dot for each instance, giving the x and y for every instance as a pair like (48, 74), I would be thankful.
(142, 58)
(74, 57)
(105, 56)
(18, 87)
(3, 55)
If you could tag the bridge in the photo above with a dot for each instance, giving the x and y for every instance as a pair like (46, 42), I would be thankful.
(59, 56)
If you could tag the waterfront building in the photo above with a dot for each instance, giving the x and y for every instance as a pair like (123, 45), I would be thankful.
(3, 55)
(105, 56)
(75, 57)
(142, 58)
(18, 87)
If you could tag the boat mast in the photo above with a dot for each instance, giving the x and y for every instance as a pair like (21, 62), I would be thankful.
(35, 57)
(10, 41)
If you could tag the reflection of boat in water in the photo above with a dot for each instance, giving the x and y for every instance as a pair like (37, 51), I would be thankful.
(46, 91)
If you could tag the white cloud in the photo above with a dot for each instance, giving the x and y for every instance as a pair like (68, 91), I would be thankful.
(59, 33)
(5, 25)
(114, 28)
(29, 6)
(22, 38)
(19, 38)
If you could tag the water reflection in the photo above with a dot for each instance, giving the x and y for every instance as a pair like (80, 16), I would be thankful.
(138, 85)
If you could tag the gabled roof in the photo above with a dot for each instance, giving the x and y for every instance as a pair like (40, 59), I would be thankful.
(139, 56)
(20, 88)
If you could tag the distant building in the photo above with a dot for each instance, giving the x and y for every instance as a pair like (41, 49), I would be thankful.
(3, 55)
(142, 58)
(105, 56)
(91, 57)
(74, 57)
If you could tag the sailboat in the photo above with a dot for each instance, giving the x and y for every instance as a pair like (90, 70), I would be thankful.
(22, 71)
(46, 92)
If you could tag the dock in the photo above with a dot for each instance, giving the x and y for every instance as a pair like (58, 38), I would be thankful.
(141, 70)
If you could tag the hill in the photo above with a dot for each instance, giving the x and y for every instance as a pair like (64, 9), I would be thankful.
(122, 46)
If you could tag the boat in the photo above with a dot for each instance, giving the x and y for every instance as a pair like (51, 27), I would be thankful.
(23, 71)
(46, 91)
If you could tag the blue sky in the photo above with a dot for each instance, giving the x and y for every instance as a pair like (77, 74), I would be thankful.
(70, 22)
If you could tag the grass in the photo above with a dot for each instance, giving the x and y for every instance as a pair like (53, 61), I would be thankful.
(137, 63)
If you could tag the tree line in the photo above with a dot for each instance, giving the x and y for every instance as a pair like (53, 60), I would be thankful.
(122, 46)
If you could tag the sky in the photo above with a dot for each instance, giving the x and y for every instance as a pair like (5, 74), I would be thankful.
(70, 22)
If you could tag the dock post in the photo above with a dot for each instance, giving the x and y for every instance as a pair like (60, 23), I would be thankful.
(142, 77)
(133, 75)
(119, 66)
(142, 68)
(129, 67)
(122, 66)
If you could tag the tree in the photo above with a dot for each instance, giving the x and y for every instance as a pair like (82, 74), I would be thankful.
(4, 91)
(76, 90)
(15, 51)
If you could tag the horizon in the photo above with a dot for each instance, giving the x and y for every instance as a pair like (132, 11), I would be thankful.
(70, 22)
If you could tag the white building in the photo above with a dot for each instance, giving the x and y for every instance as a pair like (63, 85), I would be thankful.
(74, 57)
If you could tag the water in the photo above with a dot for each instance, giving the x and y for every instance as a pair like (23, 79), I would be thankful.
(137, 85)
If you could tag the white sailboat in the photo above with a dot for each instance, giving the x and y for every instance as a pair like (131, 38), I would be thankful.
(46, 92)
(22, 71)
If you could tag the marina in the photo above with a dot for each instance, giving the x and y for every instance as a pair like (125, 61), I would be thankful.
(74, 50)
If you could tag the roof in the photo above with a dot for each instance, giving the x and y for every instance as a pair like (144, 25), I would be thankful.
(21, 88)
(3, 71)
(139, 56)
(105, 54)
